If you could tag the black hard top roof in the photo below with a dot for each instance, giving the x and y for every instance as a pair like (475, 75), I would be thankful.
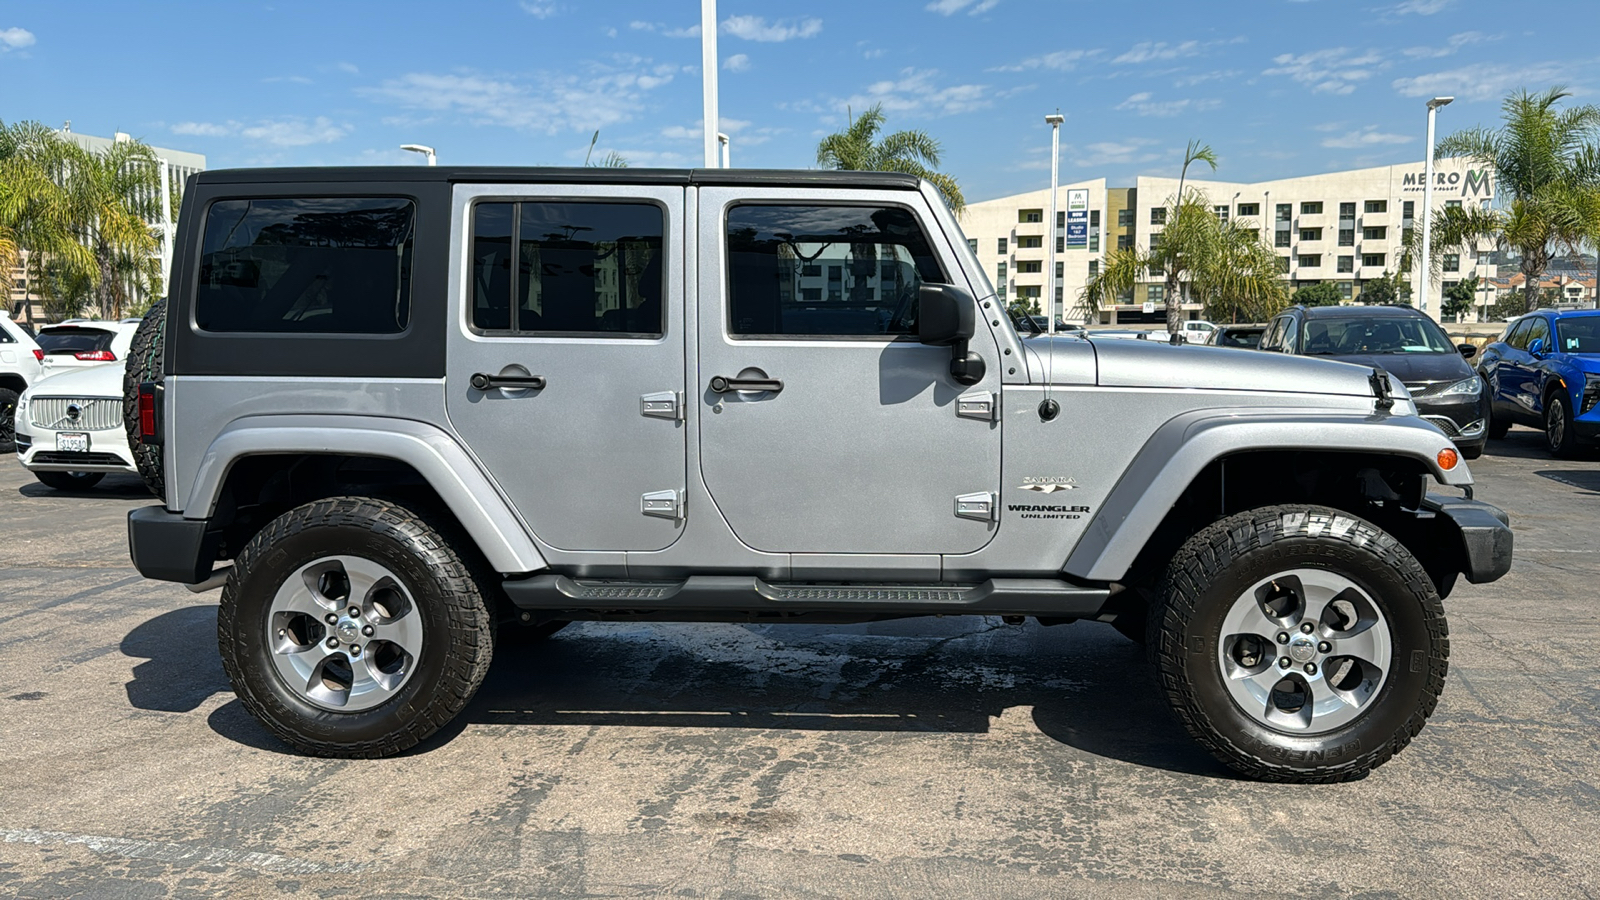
(558, 175)
(1317, 312)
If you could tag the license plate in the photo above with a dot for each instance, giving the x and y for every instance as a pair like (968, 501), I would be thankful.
(67, 442)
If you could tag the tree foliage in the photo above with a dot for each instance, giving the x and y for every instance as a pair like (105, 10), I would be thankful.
(1381, 291)
(915, 153)
(1323, 293)
(1546, 162)
(1458, 298)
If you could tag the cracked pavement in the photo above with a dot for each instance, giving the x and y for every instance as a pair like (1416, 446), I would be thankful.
(952, 757)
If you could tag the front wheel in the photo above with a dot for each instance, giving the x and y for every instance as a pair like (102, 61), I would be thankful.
(1299, 643)
(350, 627)
(8, 412)
(1559, 435)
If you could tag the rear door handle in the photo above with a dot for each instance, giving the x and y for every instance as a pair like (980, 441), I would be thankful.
(483, 382)
(721, 384)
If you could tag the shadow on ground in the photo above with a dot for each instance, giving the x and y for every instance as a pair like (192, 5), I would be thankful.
(112, 487)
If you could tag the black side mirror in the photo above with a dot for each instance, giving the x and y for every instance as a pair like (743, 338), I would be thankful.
(1468, 351)
(948, 317)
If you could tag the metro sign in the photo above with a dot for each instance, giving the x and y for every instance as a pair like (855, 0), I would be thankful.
(1472, 184)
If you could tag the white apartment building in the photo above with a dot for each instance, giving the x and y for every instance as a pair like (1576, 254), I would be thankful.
(1008, 234)
(1340, 227)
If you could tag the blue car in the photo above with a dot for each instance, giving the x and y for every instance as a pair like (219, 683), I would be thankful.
(1544, 371)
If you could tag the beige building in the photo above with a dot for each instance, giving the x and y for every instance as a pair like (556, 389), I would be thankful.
(1341, 227)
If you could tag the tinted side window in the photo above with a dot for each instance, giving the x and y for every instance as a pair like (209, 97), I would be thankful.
(579, 268)
(330, 265)
(6, 338)
(1291, 336)
(1519, 335)
(1538, 330)
(871, 260)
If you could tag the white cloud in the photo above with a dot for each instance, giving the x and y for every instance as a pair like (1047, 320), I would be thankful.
(349, 68)
(539, 9)
(292, 79)
(1147, 51)
(917, 92)
(1419, 7)
(15, 39)
(1203, 77)
(1334, 71)
(1142, 104)
(756, 28)
(1105, 153)
(551, 103)
(738, 62)
(1481, 82)
(951, 7)
(292, 131)
(1059, 61)
(689, 32)
(1369, 136)
(1456, 42)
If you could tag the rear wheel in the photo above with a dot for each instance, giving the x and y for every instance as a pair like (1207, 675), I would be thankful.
(69, 481)
(8, 420)
(350, 627)
(1299, 643)
(144, 364)
(1559, 435)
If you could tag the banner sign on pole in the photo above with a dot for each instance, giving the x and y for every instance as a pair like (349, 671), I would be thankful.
(1077, 219)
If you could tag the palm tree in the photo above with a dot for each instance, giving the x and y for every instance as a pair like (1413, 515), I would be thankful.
(1226, 265)
(1547, 161)
(35, 215)
(113, 196)
(908, 152)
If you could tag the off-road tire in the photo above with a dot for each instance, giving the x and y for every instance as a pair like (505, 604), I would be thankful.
(1559, 434)
(69, 481)
(1215, 566)
(144, 364)
(448, 587)
(8, 412)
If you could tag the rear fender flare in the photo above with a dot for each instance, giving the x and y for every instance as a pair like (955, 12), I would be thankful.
(1184, 446)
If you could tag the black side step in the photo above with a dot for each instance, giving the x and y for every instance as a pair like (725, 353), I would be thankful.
(748, 594)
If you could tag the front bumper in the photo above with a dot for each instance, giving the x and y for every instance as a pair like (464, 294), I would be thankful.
(1461, 417)
(167, 547)
(108, 451)
(1483, 532)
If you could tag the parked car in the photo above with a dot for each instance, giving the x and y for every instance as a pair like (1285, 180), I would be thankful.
(1407, 345)
(1028, 326)
(20, 365)
(1246, 337)
(407, 452)
(70, 431)
(79, 344)
(1544, 372)
(1196, 330)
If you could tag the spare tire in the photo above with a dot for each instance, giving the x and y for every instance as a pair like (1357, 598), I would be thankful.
(144, 364)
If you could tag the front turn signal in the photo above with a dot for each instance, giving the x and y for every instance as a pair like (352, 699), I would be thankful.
(1448, 458)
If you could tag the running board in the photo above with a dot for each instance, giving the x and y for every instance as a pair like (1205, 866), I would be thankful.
(748, 594)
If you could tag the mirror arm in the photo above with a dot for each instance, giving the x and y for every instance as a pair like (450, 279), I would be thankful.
(965, 367)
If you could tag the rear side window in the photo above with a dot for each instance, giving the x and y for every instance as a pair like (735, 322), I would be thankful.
(328, 265)
(68, 340)
(1518, 337)
(826, 271)
(577, 268)
(6, 338)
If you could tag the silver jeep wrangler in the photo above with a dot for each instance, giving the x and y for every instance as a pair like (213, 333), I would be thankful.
(431, 412)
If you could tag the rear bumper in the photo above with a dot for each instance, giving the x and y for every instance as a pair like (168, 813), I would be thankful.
(1484, 532)
(167, 547)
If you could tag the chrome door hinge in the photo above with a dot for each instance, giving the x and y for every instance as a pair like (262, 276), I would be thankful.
(662, 504)
(980, 405)
(662, 405)
(979, 507)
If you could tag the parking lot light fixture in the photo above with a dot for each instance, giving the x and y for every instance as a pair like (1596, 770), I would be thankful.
(423, 149)
(1427, 205)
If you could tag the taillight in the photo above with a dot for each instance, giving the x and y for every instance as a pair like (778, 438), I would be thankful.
(38, 354)
(95, 356)
(149, 431)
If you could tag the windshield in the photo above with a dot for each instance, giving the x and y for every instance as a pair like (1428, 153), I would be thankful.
(1374, 334)
(1580, 335)
(74, 340)
(1236, 337)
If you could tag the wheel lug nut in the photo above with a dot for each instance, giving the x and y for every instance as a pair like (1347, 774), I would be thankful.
(355, 650)
(355, 611)
(283, 632)
(1283, 637)
(1324, 647)
(1306, 627)
(333, 642)
(1311, 668)
(331, 618)
(1283, 663)
(367, 630)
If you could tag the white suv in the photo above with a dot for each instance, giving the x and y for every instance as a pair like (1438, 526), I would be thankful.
(77, 344)
(69, 430)
(20, 363)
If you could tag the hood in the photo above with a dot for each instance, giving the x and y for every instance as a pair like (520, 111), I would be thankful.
(1412, 368)
(104, 380)
(1157, 364)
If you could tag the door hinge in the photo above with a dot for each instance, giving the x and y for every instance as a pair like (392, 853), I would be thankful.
(978, 405)
(662, 504)
(976, 506)
(662, 405)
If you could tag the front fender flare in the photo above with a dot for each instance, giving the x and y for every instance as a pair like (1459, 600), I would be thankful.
(438, 457)
(1178, 451)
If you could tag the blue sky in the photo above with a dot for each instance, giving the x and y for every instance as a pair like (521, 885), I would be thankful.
(1277, 87)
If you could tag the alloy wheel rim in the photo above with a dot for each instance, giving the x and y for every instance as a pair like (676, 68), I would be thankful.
(344, 633)
(1305, 651)
(1555, 425)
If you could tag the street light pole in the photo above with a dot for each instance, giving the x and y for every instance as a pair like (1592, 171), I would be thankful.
(1050, 280)
(423, 149)
(708, 77)
(1427, 206)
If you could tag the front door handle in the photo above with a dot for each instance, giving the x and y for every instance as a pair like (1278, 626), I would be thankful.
(721, 384)
(483, 382)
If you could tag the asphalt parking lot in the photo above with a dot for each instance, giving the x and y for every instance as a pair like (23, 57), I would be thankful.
(950, 758)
